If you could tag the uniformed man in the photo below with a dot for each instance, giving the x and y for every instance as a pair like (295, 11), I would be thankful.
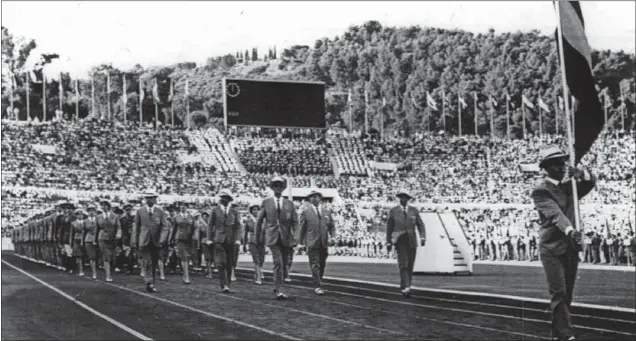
(224, 231)
(281, 219)
(126, 258)
(184, 237)
(316, 225)
(560, 238)
(150, 233)
(400, 232)
(107, 226)
(77, 239)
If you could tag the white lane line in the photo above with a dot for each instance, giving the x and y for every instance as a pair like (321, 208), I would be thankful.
(453, 309)
(472, 326)
(207, 313)
(303, 312)
(469, 293)
(74, 300)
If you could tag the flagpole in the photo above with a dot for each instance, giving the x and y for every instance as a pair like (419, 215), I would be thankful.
(523, 118)
(125, 96)
(492, 115)
(76, 99)
(93, 113)
(508, 116)
(108, 95)
(556, 118)
(187, 94)
(43, 96)
(605, 107)
(475, 106)
(171, 102)
(350, 112)
(444, 109)
(366, 112)
(12, 93)
(28, 100)
(382, 119)
(570, 136)
(141, 102)
(459, 115)
(540, 120)
(61, 95)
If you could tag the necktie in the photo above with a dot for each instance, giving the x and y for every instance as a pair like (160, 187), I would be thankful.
(405, 216)
(278, 206)
(318, 212)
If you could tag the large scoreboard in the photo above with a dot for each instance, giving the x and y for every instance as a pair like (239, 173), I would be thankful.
(274, 103)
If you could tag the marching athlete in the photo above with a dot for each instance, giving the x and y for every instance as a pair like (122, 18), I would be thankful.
(77, 239)
(316, 224)
(206, 249)
(256, 243)
(559, 239)
(185, 236)
(281, 220)
(126, 258)
(90, 238)
(400, 232)
(107, 225)
(224, 230)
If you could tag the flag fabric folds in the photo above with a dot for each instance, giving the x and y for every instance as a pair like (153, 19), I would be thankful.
(155, 92)
(430, 102)
(589, 116)
(527, 102)
(462, 102)
(543, 106)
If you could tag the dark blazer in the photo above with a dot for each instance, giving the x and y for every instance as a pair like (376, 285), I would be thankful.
(283, 226)
(314, 230)
(400, 223)
(126, 225)
(150, 229)
(555, 205)
(224, 228)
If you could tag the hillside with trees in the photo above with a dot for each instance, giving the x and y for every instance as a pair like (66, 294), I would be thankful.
(399, 65)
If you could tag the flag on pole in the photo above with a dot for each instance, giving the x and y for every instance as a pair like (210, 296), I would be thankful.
(187, 89)
(526, 102)
(383, 102)
(171, 91)
(543, 106)
(430, 102)
(124, 96)
(445, 99)
(510, 102)
(462, 102)
(588, 118)
(561, 106)
(493, 102)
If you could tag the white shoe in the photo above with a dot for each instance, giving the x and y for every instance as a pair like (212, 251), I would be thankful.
(233, 278)
(258, 282)
(319, 292)
(281, 296)
(287, 280)
(226, 289)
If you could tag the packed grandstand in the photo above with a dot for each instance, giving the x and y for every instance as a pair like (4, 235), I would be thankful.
(477, 178)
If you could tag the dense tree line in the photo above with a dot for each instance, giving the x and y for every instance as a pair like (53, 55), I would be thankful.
(399, 65)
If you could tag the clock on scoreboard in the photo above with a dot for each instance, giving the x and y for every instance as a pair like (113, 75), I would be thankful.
(274, 103)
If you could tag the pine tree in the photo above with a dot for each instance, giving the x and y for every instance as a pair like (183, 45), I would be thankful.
(254, 54)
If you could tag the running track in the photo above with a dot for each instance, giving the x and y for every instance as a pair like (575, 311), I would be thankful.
(40, 302)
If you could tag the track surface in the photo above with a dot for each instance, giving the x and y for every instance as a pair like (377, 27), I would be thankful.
(200, 311)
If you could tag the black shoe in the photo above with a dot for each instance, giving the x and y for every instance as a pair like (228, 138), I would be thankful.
(151, 288)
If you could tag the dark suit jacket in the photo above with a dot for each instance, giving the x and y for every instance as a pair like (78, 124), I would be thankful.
(150, 230)
(224, 228)
(399, 224)
(126, 225)
(555, 205)
(314, 230)
(283, 226)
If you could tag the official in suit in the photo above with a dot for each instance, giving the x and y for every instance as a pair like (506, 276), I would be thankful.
(400, 232)
(107, 225)
(151, 221)
(559, 238)
(256, 243)
(185, 236)
(281, 224)
(90, 238)
(316, 225)
(224, 231)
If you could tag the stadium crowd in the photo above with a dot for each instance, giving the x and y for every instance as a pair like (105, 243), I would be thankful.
(98, 156)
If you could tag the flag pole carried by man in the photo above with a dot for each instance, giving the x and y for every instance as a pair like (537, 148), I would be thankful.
(557, 198)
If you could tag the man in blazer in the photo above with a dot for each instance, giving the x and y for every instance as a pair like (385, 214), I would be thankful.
(316, 225)
(151, 222)
(400, 231)
(126, 221)
(560, 238)
(224, 230)
(281, 224)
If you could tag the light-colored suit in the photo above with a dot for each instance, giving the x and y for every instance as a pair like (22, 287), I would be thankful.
(224, 230)
(555, 205)
(316, 224)
(150, 233)
(280, 230)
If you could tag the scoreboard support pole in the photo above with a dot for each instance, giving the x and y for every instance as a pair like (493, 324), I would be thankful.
(224, 86)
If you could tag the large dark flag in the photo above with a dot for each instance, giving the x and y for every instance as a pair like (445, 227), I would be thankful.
(589, 116)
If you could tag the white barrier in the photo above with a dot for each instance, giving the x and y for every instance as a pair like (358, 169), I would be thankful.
(437, 255)
(456, 233)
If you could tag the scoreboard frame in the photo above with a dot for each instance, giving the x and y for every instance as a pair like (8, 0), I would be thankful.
(224, 86)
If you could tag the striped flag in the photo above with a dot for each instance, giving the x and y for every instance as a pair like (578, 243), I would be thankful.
(527, 102)
(577, 53)
(430, 102)
(543, 106)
